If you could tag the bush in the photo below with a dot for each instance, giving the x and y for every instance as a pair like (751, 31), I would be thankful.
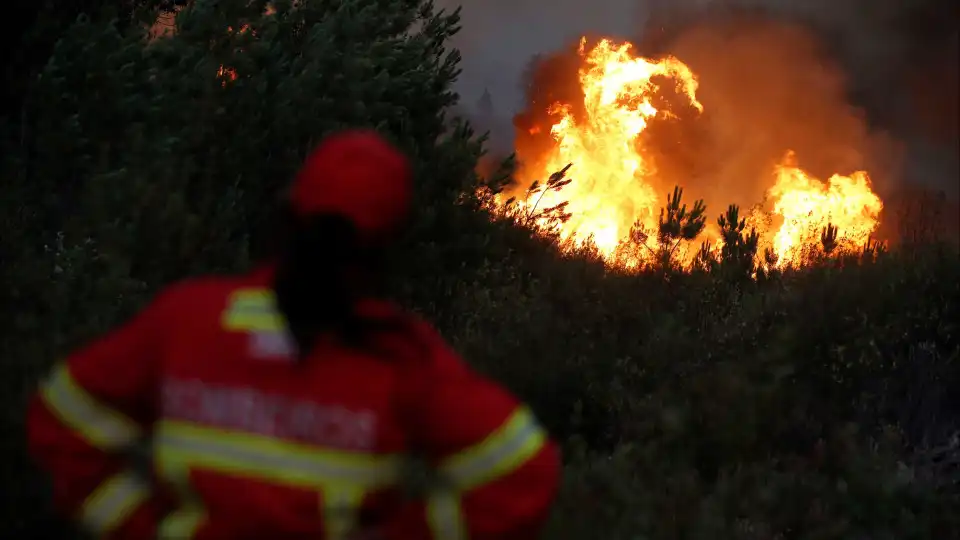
(806, 404)
(788, 410)
(801, 405)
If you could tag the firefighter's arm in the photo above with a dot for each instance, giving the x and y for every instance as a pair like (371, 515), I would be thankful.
(498, 469)
(86, 418)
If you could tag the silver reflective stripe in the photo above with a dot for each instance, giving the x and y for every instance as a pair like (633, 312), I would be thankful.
(113, 502)
(504, 451)
(97, 424)
(445, 517)
(306, 466)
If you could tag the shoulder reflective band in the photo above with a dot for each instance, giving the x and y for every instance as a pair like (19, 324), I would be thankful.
(252, 310)
(113, 502)
(271, 460)
(506, 449)
(444, 516)
(99, 425)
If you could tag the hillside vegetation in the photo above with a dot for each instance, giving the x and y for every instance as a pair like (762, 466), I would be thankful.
(817, 403)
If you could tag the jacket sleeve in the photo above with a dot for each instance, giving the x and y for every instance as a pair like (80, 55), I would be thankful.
(498, 470)
(86, 418)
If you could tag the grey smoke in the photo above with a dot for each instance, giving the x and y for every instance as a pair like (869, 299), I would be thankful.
(499, 37)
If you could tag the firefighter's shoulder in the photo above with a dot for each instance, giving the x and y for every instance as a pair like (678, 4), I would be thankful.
(197, 295)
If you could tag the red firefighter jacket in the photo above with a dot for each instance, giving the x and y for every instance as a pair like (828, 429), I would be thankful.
(246, 442)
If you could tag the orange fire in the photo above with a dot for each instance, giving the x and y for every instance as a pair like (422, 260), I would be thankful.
(226, 73)
(609, 194)
(612, 188)
(808, 205)
(165, 25)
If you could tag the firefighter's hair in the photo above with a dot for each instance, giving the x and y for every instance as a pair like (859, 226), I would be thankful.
(319, 262)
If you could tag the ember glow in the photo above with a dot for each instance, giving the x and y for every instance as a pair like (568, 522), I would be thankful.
(613, 186)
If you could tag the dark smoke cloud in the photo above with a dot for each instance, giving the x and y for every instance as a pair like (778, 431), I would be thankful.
(899, 60)
(899, 67)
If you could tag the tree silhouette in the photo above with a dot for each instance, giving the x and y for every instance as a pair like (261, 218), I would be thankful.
(739, 250)
(676, 224)
(872, 249)
(530, 213)
(828, 238)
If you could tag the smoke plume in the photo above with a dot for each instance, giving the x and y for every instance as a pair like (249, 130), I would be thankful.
(897, 61)
(854, 84)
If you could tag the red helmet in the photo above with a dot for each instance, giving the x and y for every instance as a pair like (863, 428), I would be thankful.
(360, 175)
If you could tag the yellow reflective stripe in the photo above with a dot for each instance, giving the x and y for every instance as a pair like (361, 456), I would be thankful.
(99, 425)
(181, 525)
(252, 310)
(113, 502)
(341, 504)
(270, 459)
(445, 517)
(253, 296)
(515, 442)
(254, 322)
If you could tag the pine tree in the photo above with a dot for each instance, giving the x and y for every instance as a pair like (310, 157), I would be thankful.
(676, 225)
(739, 251)
(485, 104)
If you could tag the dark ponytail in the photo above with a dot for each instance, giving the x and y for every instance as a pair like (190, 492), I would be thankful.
(322, 270)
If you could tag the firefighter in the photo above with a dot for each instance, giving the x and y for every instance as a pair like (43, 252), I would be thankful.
(285, 403)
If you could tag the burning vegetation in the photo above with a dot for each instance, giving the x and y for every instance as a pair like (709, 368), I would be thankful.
(608, 133)
(598, 153)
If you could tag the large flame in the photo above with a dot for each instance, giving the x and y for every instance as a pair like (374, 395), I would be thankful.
(610, 193)
(612, 176)
(808, 206)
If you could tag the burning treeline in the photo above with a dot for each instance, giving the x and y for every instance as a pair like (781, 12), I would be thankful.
(750, 116)
(753, 118)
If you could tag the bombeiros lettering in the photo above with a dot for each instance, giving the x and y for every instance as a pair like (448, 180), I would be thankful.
(249, 410)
